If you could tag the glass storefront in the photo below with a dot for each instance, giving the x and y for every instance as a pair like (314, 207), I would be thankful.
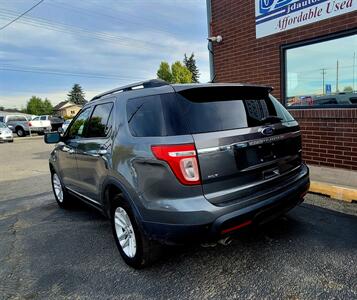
(322, 74)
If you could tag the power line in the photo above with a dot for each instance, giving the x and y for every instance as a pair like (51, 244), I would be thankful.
(24, 13)
(69, 74)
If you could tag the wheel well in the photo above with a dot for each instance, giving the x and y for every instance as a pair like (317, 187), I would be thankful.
(19, 127)
(110, 192)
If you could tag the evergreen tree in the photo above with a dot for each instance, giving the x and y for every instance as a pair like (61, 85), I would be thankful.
(190, 63)
(76, 95)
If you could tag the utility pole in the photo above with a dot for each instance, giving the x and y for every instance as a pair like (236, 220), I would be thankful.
(323, 72)
(337, 70)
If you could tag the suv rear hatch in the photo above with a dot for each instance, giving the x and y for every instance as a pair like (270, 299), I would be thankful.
(247, 142)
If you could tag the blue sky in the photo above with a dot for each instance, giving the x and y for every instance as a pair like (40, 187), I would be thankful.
(98, 44)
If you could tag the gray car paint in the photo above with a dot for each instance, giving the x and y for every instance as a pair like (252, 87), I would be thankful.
(149, 184)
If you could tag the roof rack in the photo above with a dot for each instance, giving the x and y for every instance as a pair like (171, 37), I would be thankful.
(138, 85)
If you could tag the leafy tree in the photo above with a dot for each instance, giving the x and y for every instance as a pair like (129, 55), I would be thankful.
(178, 73)
(348, 89)
(47, 107)
(190, 63)
(36, 106)
(76, 95)
(164, 72)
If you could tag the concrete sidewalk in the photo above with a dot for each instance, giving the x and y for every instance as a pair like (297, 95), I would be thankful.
(333, 182)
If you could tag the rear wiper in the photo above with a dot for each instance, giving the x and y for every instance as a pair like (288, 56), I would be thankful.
(274, 119)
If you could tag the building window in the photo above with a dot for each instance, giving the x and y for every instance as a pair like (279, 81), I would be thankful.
(321, 74)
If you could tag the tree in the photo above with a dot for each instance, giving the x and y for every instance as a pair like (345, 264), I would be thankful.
(36, 106)
(178, 73)
(76, 95)
(348, 89)
(164, 72)
(190, 64)
(47, 107)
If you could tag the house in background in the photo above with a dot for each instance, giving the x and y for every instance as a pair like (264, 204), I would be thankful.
(66, 109)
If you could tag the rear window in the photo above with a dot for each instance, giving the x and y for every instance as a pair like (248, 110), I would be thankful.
(202, 110)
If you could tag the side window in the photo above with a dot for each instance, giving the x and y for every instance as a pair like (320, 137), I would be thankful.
(43, 118)
(80, 125)
(145, 116)
(2, 119)
(36, 119)
(100, 122)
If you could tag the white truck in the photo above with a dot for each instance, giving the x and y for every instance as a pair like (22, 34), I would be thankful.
(40, 124)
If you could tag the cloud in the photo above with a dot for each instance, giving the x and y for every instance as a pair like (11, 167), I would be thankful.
(112, 49)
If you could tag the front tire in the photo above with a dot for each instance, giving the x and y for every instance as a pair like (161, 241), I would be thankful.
(61, 195)
(134, 247)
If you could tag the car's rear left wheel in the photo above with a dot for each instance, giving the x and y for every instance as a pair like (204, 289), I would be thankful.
(134, 247)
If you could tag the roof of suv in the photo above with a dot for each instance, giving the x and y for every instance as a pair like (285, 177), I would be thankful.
(154, 83)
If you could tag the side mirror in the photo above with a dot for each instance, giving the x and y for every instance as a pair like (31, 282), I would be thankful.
(60, 131)
(52, 137)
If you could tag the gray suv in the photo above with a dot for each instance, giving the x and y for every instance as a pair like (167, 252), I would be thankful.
(171, 164)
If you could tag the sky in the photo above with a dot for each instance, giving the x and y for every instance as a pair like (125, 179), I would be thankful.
(99, 44)
(306, 64)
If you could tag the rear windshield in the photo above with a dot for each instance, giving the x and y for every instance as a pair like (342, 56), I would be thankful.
(203, 110)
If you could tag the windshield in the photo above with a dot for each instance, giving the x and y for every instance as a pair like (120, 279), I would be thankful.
(2, 125)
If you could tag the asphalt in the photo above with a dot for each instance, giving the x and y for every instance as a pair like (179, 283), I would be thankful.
(50, 253)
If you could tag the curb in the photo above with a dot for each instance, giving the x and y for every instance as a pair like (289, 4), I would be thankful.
(333, 191)
(28, 137)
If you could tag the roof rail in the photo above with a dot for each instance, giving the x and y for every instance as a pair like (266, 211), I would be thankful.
(138, 85)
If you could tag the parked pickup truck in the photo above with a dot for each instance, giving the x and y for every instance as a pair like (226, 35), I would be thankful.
(40, 124)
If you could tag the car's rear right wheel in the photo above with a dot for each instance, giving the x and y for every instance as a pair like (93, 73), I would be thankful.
(20, 132)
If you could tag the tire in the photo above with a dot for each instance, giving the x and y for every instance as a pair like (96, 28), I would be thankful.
(11, 141)
(144, 251)
(20, 132)
(61, 195)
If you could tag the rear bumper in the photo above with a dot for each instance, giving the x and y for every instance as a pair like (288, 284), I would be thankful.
(40, 129)
(226, 220)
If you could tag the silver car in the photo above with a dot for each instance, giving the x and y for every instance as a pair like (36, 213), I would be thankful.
(5, 133)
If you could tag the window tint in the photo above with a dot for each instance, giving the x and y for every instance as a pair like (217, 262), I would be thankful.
(203, 110)
(79, 126)
(99, 124)
(36, 119)
(16, 118)
(2, 119)
(43, 118)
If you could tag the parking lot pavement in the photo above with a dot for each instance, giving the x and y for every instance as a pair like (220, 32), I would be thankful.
(47, 253)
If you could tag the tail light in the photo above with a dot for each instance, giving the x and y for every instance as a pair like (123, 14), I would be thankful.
(30, 124)
(182, 160)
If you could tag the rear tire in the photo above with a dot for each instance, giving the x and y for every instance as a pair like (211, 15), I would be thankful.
(20, 132)
(134, 247)
(61, 195)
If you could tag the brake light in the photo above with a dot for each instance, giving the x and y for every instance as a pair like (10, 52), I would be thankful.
(30, 124)
(182, 160)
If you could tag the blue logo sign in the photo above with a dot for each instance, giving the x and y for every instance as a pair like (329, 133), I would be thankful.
(328, 89)
(266, 6)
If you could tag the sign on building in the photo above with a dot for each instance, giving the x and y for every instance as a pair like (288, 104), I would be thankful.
(273, 16)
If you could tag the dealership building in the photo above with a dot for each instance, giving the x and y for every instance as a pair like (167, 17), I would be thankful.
(306, 50)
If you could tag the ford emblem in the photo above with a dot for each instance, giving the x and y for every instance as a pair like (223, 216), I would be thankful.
(267, 131)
